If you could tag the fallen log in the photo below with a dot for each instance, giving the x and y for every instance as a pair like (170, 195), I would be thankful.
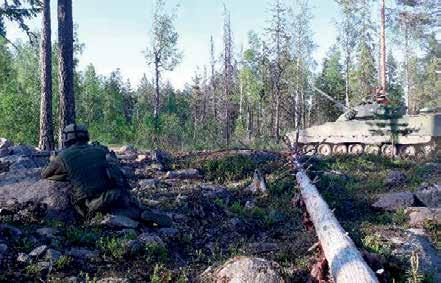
(345, 262)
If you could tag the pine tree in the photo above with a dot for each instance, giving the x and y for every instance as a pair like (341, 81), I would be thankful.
(46, 123)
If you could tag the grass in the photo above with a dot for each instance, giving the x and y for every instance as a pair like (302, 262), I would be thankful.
(156, 253)
(78, 236)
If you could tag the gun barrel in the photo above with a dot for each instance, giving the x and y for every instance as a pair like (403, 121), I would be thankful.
(327, 96)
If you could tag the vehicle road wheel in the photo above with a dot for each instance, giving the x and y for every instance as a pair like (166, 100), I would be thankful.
(324, 149)
(356, 149)
(408, 151)
(372, 149)
(309, 149)
(389, 150)
(340, 149)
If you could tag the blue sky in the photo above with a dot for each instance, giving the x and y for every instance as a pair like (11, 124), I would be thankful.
(116, 32)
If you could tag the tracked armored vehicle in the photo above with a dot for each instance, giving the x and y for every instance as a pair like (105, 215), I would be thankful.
(370, 129)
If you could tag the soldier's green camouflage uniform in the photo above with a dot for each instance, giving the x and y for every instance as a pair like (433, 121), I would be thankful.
(97, 180)
(98, 183)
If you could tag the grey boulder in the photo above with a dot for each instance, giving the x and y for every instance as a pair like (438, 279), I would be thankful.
(395, 201)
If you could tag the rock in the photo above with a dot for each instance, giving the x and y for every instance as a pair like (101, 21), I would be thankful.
(47, 232)
(23, 150)
(4, 152)
(23, 162)
(37, 252)
(244, 270)
(258, 186)
(420, 215)
(141, 158)
(156, 219)
(82, 253)
(396, 179)
(250, 204)
(162, 157)
(395, 201)
(429, 257)
(148, 184)
(430, 196)
(3, 250)
(130, 148)
(169, 233)
(183, 174)
(148, 239)
(113, 280)
(13, 233)
(132, 247)
(43, 266)
(26, 186)
(119, 221)
(23, 258)
(5, 143)
(258, 248)
(52, 255)
(215, 191)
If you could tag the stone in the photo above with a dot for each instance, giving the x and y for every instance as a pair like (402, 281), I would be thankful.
(4, 152)
(396, 179)
(119, 221)
(147, 184)
(37, 252)
(127, 148)
(132, 247)
(430, 196)
(429, 257)
(214, 191)
(52, 255)
(418, 216)
(47, 232)
(5, 143)
(258, 185)
(250, 204)
(3, 249)
(183, 174)
(27, 186)
(23, 162)
(245, 270)
(82, 253)
(23, 258)
(168, 233)
(141, 158)
(156, 219)
(395, 201)
(113, 280)
(23, 150)
(148, 239)
(162, 157)
(13, 233)
(44, 266)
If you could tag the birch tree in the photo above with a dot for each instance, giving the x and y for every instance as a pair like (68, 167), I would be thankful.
(163, 52)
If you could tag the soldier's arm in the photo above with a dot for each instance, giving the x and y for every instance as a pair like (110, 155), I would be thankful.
(55, 171)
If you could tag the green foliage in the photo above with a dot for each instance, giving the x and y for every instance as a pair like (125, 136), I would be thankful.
(62, 262)
(434, 230)
(112, 246)
(78, 236)
(230, 168)
(156, 253)
(374, 243)
(161, 274)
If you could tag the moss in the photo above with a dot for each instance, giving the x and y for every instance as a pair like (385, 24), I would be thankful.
(156, 253)
(230, 168)
(79, 236)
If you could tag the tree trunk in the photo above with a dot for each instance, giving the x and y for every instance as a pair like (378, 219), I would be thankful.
(157, 97)
(383, 49)
(66, 72)
(344, 260)
(46, 141)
